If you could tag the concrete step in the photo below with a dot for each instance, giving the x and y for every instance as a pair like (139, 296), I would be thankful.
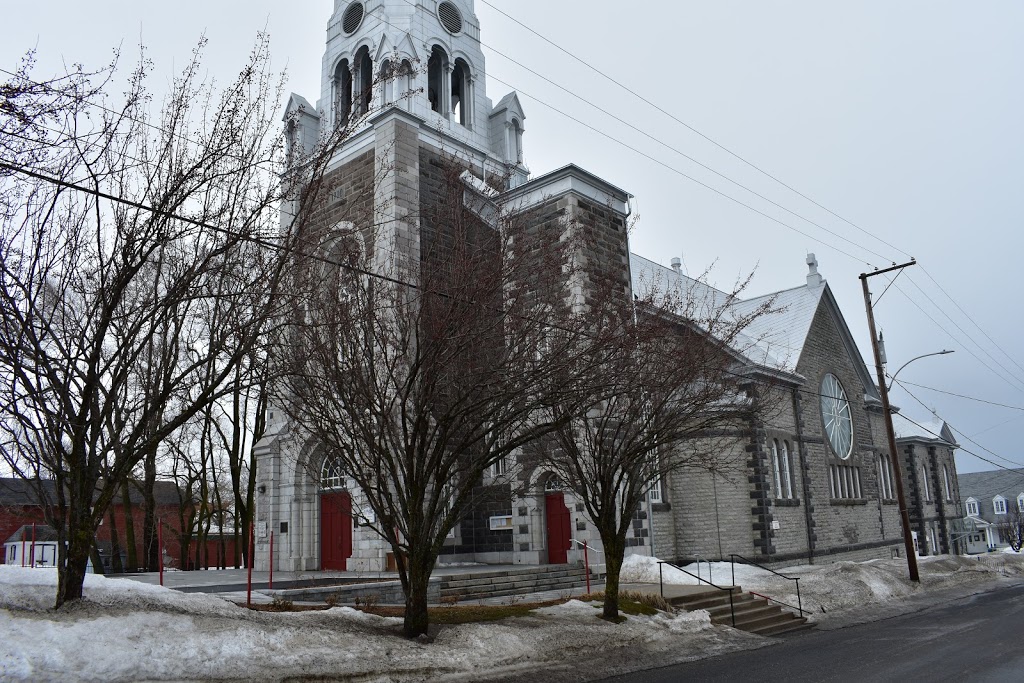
(506, 582)
(753, 613)
(791, 626)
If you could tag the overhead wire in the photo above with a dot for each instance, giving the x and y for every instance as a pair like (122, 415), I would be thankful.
(603, 74)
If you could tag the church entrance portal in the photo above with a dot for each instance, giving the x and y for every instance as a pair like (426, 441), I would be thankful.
(335, 531)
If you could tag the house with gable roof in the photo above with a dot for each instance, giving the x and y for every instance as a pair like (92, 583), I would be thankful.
(988, 499)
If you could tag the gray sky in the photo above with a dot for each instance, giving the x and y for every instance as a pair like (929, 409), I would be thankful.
(903, 117)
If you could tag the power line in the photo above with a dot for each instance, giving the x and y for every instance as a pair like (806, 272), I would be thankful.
(961, 344)
(969, 398)
(589, 65)
(1012, 462)
(694, 130)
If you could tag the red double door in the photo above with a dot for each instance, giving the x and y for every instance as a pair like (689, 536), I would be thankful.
(335, 531)
(559, 528)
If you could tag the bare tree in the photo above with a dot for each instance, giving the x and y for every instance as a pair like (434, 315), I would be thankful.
(140, 258)
(1012, 528)
(417, 372)
(664, 395)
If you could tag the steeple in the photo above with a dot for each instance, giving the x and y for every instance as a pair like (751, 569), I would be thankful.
(424, 57)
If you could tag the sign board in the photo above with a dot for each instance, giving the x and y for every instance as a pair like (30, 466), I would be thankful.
(261, 529)
(776, 525)
(501, 523)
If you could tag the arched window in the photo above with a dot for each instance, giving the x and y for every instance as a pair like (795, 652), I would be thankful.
(462, 107)
(331, 474)
(403, 82)
(776, 469)
(553, 483)
(342, 93)
(387, 83)
(925, 491)
(787, 475)
(437, 79)
(885, 481)
(947, 483)
(364, 81)
(515, 143)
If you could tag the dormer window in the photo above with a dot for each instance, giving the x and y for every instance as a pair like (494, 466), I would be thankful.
(972, 507)
(999, 505)
(1020, 502)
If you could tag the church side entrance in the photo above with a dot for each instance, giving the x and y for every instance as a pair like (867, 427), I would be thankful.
(335, 531)
(559, 528)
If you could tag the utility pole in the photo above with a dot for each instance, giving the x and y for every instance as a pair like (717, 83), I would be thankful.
(908, 539)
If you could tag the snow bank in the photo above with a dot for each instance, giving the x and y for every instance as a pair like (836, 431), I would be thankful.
(129, 631)
(830, 587)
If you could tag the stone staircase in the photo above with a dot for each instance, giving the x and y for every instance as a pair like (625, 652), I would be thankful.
(754, 613)
(504, 582)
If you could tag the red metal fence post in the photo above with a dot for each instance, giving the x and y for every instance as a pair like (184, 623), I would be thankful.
(271, 583)
(160, 548)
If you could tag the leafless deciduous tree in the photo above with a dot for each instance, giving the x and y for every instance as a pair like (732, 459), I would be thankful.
(1012, 528)
(418, 371)
(141, 256)
(666, 395)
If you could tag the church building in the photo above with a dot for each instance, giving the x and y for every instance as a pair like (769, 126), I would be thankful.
(810, 484)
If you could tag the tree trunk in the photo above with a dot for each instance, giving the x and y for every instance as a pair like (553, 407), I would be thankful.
(417, 618)
(149, 537)
(71, 574)
(614, 549)
(115, 545)
(129, 528)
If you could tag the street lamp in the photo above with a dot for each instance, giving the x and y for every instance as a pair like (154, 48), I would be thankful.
(892, 377)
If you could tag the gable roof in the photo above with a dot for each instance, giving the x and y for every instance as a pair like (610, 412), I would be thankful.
(774, 339)
(17, 492)
(984, 486)
(927, 431)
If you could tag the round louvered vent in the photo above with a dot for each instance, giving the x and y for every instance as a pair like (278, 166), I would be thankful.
(352, 18)
(450, 16)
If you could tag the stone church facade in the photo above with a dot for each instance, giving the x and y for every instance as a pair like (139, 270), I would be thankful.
(809, 479)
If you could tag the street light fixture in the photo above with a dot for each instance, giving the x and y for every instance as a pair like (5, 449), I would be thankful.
(892, 377)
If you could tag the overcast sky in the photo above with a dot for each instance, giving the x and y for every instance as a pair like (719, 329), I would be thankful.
(902, 117)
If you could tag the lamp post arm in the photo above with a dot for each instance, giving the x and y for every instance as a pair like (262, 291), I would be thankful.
(892, 377)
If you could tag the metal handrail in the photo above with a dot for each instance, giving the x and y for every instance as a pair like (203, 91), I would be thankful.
(708, 563)
(799, 606)
(661, 583)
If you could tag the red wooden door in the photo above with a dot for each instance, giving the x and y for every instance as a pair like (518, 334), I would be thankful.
(335, 531)
(559, 528)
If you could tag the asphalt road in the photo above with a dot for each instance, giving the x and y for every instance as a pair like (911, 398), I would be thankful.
(977, 638)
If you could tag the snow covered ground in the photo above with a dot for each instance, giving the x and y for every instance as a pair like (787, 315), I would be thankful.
(831, 587)
(129, 631)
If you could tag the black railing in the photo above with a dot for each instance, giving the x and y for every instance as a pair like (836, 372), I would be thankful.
(661, 583)
(799, 603)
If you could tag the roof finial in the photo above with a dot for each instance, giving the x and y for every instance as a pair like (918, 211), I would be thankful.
(813, 278)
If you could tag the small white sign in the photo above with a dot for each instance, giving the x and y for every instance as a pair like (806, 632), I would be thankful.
(775, 525)
(261, 529)
(501, 523)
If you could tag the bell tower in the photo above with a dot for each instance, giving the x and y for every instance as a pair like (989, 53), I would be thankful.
(422, 57)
